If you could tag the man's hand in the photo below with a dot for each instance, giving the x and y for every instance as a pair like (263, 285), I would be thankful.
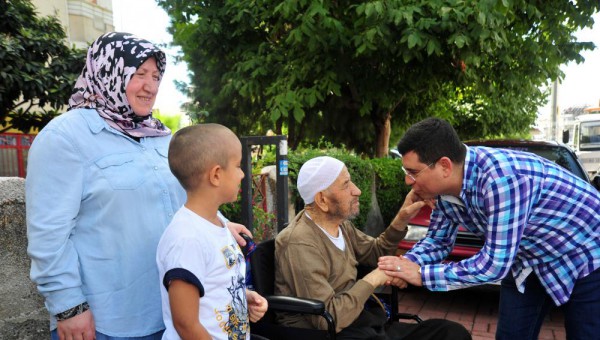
(236, 229)
(401, 268)
(257, 305)
(79, 327)
(409, 209)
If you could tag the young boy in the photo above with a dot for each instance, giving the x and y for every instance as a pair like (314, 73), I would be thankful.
(201, 267)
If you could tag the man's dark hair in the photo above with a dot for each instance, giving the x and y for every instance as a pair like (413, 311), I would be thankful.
(432, 139)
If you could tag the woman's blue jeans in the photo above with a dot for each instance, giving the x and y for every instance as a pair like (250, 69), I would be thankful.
(520, 316)
(100, 336)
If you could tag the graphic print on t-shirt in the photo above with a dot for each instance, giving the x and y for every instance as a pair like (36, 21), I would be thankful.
(234, 319)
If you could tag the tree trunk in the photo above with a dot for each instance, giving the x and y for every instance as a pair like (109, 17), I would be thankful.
(278, 125)
(383, 129)
(292, 135)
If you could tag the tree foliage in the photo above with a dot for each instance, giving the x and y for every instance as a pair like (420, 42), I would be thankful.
(173, 122)
(354, 70)
(37, 69)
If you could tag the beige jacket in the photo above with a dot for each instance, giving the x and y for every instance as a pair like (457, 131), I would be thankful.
(308, 264)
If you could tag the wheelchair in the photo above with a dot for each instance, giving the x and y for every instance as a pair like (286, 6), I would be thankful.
(262, 269)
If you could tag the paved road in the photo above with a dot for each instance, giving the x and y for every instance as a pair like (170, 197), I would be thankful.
(476, 308)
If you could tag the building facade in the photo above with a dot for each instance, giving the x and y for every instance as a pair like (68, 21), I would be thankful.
(83, 20)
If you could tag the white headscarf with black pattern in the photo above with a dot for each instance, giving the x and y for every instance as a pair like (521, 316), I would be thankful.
(110, 63)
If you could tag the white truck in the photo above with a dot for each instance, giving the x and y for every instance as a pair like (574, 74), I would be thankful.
(586, 139)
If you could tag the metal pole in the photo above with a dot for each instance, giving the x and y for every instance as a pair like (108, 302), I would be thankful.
(247, 215)
(282, 183)
(282, 178)
(554, 113)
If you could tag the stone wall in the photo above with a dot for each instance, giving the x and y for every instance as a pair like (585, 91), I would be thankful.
(22, 311)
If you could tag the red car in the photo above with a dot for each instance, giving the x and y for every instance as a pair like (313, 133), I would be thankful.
(467, 244)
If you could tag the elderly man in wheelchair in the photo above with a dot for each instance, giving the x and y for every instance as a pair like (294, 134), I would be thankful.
(317, 255)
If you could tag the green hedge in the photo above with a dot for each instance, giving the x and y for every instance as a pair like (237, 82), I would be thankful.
(390, 186)
(360, 170)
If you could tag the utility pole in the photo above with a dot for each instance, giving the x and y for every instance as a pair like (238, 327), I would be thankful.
(554, 113)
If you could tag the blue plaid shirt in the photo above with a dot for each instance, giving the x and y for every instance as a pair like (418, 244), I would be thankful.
(533, 215)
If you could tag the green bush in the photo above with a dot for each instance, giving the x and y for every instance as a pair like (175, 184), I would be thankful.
(387, 173)
(233, 210)
(360, 170)
(389, 178)
(263, 224)
(391, 188)
(173, 122)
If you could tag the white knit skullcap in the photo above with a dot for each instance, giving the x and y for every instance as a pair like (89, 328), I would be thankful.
(316, 175)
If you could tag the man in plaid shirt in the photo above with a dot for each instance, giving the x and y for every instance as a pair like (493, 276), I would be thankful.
(540, 223)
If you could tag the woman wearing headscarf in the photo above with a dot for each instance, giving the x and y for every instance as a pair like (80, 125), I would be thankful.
(99, 194)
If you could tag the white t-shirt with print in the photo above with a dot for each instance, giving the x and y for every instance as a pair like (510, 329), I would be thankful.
(206, 255)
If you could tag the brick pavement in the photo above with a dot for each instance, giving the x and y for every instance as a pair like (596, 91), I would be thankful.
(476, 308)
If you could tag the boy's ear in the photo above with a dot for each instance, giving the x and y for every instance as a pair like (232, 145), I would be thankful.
(214, 175)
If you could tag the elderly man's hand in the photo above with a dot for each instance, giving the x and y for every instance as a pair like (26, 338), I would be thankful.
(410, 208)
(376, 278)
(400, 268)
(398, 282)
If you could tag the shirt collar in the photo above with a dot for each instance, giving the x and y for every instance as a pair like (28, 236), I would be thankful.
(452, 199)
(96, 123)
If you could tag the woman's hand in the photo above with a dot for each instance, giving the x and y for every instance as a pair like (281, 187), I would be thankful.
(79, 327)
(236, 229)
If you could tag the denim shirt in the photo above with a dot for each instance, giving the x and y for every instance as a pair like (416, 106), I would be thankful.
(97, 204)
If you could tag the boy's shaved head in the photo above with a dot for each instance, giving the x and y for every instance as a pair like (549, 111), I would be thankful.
(195, 149)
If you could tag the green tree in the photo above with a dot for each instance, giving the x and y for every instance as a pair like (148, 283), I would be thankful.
(353, 70)
(37, 69)
(172, 121)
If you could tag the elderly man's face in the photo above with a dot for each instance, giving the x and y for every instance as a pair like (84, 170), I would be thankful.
(343, 195)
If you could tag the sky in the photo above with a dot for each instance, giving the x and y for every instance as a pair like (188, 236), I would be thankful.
(580, 87)
(581, 84)
(147, 20)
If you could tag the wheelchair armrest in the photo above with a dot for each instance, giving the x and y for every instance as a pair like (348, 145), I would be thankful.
(295, 305)
(292, 304)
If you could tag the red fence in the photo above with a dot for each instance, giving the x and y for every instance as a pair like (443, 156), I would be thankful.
(14, 148)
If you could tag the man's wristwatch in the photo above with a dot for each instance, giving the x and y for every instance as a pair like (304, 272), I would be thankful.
(71, 312)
